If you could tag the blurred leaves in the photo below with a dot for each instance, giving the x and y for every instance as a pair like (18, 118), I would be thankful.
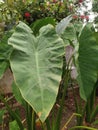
(5, 51)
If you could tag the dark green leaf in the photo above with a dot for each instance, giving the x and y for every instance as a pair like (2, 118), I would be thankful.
(42, 22)
(87, 62)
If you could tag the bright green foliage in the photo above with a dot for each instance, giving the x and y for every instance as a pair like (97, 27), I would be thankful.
(13, 125)
(36, 63)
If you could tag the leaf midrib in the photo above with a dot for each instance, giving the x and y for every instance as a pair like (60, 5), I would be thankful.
(38, 74)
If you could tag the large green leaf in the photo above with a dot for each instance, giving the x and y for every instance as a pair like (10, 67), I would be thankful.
(36, 63)
(87, 62)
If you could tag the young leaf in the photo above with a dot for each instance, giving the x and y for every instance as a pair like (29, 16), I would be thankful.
(69, 35)
(61, 26)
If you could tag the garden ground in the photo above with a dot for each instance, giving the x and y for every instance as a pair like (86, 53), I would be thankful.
(69, 109)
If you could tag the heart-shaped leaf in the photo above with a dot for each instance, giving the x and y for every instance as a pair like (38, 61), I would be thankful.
(36, 63)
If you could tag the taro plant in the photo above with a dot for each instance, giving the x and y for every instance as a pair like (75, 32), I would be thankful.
(85, 42)
(43, 63)
(87, 78)
(36, 63)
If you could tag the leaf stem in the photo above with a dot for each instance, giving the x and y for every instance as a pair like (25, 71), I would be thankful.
(48, 124)
(65, 79)
(29, 117)
(82, 127)
(74, 114)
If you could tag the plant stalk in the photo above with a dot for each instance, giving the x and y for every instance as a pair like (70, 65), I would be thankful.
(48, 124)
(59, 114)
(30, 117)
(33, 120)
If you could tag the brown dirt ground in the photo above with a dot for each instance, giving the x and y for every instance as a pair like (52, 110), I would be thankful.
(69, 109)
